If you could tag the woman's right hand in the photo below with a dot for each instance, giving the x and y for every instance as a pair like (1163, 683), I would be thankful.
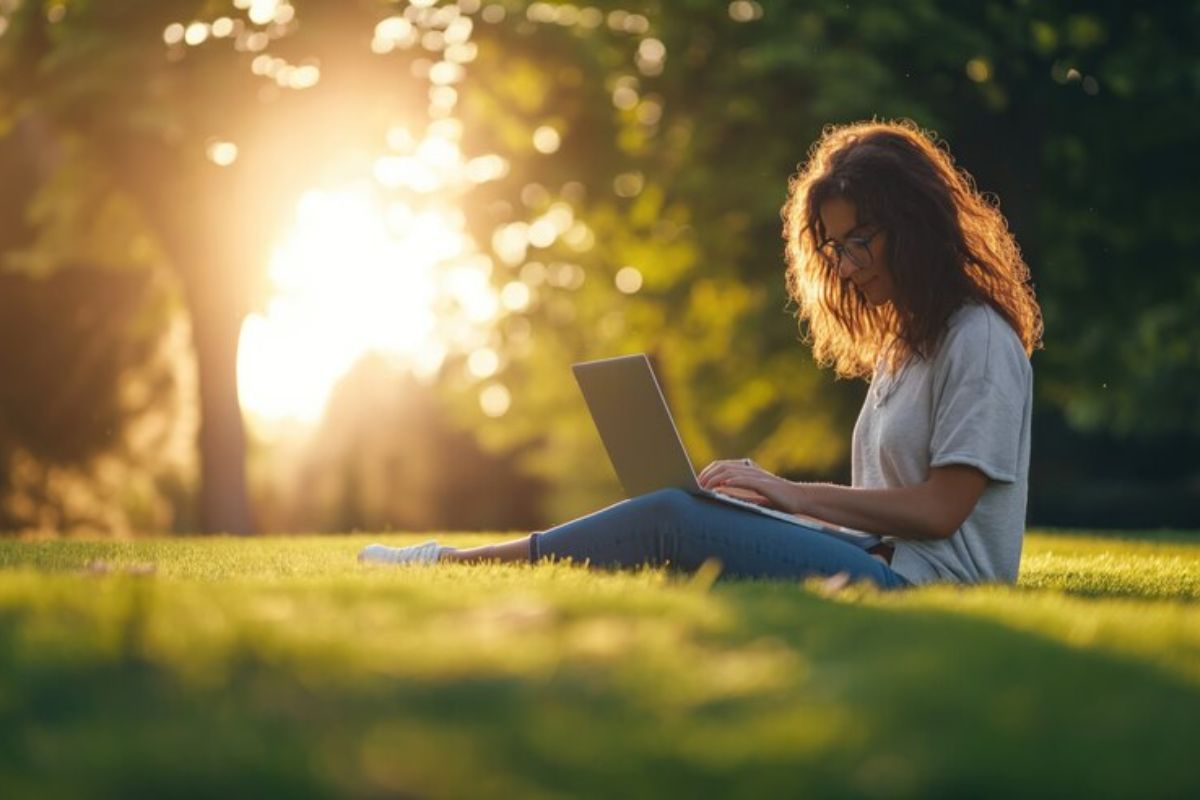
(744, 479)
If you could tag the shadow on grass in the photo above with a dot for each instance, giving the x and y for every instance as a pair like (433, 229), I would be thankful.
(876, 703)
(956, 705)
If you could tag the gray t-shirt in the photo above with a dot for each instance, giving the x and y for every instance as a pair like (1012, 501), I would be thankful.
(968, 404)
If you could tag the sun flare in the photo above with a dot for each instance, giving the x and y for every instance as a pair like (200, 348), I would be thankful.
(357, 275)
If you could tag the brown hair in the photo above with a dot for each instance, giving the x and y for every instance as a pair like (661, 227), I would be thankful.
(946, 244)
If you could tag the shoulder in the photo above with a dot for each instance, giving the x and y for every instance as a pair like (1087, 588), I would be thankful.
(979, 329)
(980, 344)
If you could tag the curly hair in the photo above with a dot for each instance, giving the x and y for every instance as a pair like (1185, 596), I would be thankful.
(947, 244)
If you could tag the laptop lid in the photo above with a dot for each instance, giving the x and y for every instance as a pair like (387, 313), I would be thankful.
(634, 423)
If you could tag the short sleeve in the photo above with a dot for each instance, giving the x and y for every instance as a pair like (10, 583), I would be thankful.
(978, 424)
(980, 398)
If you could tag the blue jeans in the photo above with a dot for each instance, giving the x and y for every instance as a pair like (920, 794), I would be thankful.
(673, 528)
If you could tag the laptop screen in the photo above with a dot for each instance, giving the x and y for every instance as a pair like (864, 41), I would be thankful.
(635, 425)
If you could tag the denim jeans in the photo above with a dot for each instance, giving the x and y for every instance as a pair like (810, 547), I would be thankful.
(675, 529)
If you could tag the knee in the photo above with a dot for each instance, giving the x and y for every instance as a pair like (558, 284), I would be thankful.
(667, 503)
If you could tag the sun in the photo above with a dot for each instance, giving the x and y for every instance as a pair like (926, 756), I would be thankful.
(357, 274)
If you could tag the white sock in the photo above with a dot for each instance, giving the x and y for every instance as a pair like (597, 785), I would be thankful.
(425, 553)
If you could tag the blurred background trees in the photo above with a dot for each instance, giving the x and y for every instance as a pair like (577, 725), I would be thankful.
(567, 182)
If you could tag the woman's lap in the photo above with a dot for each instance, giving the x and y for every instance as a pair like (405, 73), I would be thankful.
(674, 528)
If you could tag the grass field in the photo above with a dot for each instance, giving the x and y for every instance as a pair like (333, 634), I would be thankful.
(280, 667)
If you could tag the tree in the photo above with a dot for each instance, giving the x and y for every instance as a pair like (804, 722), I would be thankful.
(150, 126)
(654, 137)
(708, 130)
(90, 409)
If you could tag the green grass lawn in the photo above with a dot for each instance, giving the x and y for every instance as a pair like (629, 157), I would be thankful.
(279, 666)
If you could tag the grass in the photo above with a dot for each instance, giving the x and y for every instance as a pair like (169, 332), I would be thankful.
(280, 667)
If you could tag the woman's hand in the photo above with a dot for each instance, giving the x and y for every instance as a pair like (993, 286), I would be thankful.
(744, 479)
(749, 495)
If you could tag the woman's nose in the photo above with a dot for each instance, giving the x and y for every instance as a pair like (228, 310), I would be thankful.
(847, 267)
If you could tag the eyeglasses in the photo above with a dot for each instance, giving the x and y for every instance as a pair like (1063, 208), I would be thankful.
(857, 248)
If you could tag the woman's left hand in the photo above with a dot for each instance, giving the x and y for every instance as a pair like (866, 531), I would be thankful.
(744, 475)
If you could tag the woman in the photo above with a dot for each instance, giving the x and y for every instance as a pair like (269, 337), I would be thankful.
(904, 274)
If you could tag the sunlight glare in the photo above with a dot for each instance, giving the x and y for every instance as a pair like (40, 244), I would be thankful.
(355, 276)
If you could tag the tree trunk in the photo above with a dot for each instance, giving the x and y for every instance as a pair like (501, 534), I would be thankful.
(216, 318)
(190, 208)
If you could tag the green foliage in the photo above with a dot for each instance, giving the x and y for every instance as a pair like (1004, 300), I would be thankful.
(1082, 122)
(279, 666)
(93, 414)
(94, 432)
(673, 182)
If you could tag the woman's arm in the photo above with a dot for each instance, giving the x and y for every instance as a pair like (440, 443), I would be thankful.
(934, 509)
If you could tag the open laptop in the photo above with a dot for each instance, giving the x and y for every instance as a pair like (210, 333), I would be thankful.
(643, 444)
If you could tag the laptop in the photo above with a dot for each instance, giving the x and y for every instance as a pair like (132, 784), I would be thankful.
(643, 444)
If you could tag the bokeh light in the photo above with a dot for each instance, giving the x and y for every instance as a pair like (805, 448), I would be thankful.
(195, 33)
(979, 70)
(483, 363)
(495, 400)
(222, 153)
(628, 279)
(546, 139)
(745, 11)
